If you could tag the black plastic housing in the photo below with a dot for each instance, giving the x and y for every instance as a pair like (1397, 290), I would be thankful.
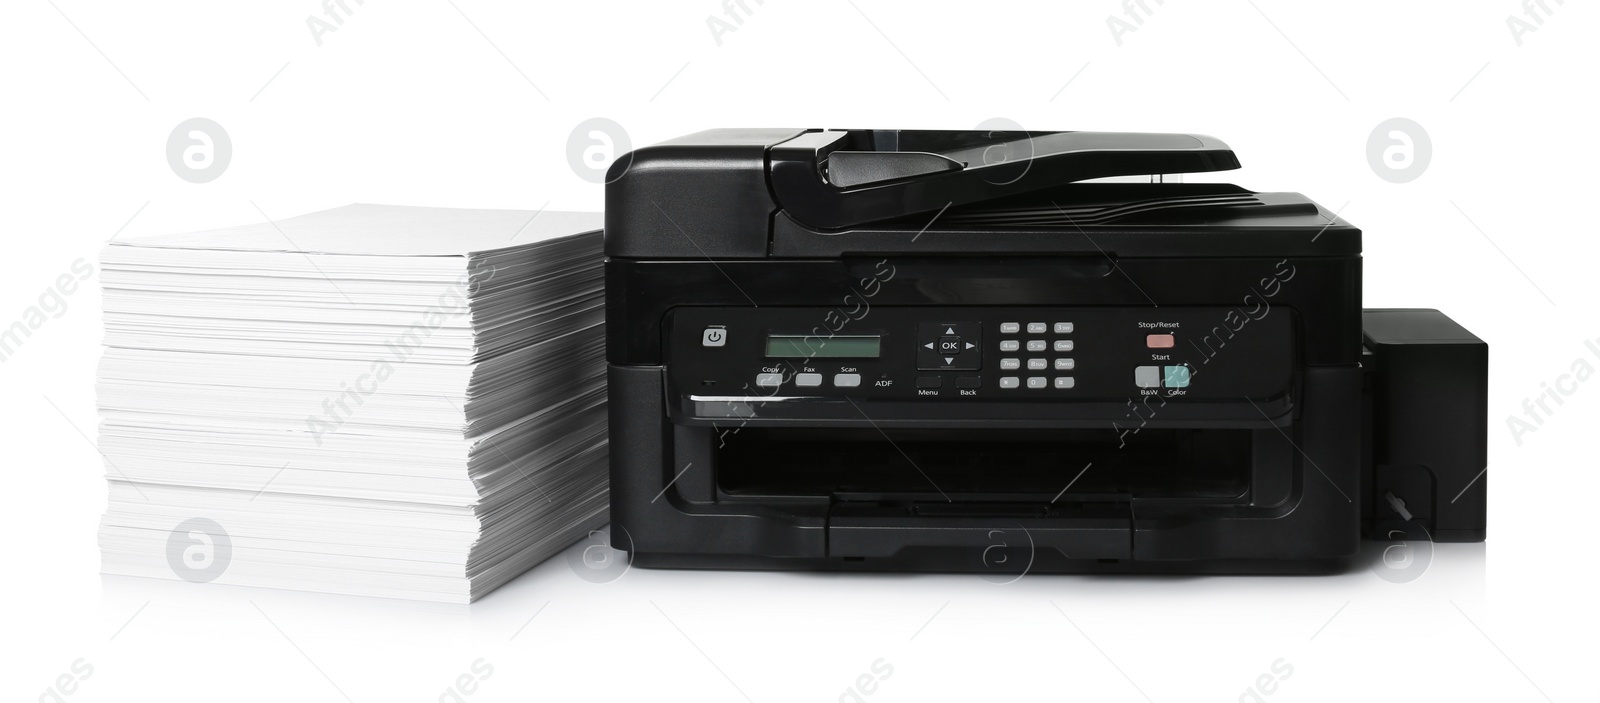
(1262, 455)
(1429, 392)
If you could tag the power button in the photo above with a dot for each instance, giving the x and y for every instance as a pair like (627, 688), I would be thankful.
(714, 337)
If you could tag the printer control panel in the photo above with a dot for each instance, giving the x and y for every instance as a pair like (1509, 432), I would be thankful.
(994, 353)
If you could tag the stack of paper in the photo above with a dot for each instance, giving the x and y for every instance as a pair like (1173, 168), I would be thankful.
(371, 400)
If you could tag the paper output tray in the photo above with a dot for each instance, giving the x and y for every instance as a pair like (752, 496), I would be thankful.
(1092, 532)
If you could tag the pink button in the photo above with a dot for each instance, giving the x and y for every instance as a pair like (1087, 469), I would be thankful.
(1158, 341)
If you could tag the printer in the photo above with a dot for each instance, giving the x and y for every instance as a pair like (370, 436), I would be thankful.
(976, 351)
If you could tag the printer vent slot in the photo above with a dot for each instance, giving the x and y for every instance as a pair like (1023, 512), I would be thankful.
(986, 465)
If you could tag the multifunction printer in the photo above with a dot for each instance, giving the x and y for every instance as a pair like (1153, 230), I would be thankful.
(978, 351)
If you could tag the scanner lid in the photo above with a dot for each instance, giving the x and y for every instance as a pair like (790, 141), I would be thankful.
(790, 192)
(840, 178)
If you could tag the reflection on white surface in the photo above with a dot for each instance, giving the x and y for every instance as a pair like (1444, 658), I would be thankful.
(550, 631)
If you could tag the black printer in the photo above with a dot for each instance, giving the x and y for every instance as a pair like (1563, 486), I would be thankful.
(946, 351)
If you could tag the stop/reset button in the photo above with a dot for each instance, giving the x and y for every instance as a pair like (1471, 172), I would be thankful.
(1159, 341)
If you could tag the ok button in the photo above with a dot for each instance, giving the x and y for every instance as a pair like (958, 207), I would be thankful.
(949, 345)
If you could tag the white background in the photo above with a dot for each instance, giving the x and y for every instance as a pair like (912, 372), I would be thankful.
(409, 102)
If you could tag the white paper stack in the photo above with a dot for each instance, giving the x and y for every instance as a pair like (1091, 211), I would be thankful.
(371, 400)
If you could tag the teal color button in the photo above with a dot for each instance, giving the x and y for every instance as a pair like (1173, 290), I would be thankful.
(1176, 377)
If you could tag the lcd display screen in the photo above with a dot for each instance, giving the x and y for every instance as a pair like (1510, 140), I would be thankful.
(793, 346)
